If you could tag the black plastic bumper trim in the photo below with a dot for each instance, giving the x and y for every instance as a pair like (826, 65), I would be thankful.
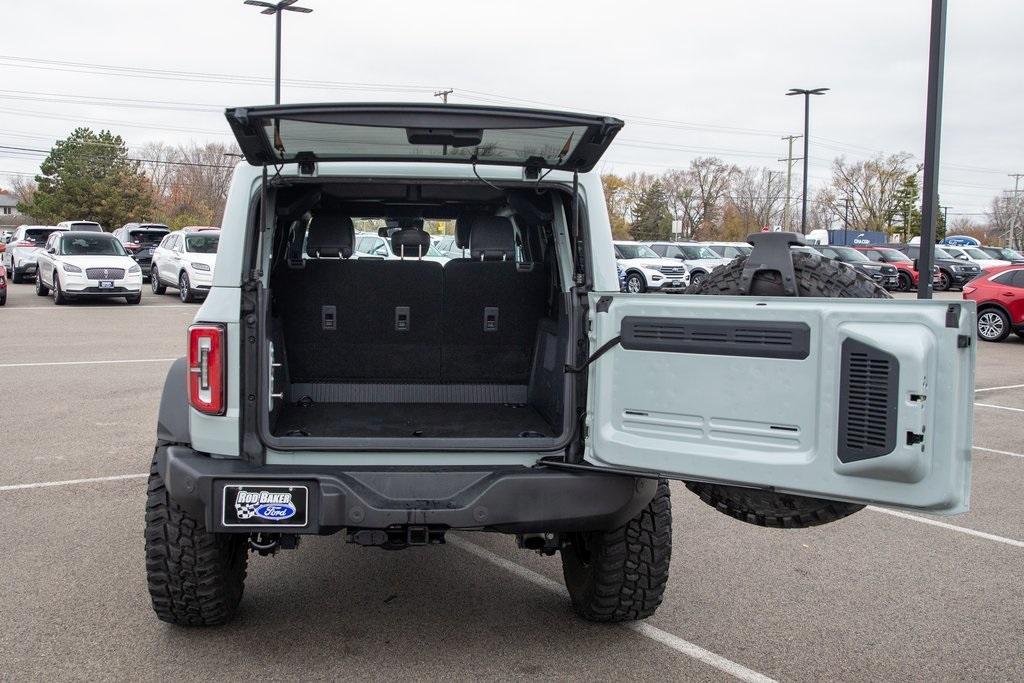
(508, 499)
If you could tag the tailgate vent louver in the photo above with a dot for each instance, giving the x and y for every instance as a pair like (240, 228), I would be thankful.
(717, 337)
(867, 404)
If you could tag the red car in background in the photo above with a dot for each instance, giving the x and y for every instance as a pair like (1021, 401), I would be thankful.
(1000, 299)
(907, 274)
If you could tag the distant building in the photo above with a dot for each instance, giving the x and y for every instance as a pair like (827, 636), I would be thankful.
(8, 203)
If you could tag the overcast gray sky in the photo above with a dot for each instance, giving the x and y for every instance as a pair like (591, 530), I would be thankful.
(690, 78)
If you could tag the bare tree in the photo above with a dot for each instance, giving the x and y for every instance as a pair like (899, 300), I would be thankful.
(1006, 219)
(757, 195)
(696, 195)
(873, 187)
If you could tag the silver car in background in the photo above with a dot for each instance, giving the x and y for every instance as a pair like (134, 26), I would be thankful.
(22, 250)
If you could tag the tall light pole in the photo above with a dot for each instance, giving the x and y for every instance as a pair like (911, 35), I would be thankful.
(807, 115)
(932, 131)
(276, 9)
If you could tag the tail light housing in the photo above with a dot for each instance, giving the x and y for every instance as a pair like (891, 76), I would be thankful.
(25, 243)
(207, 368)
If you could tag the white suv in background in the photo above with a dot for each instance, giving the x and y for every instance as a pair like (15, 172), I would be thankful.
(87, 265)
(699, 259)
(185, 260)
(22, 249)
(81, 226)
(645, 270)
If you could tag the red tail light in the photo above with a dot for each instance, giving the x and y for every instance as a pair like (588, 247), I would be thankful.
(206, 369)
(24, 243)
(968, 290)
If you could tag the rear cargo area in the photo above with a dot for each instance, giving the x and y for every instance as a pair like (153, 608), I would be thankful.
(472, 348)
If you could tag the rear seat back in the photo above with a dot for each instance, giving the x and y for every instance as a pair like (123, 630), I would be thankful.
(371, 320)
(491, 308)
(352, 320)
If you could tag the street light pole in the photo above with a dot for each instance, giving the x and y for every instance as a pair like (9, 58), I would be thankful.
(807, 115)
(276, 9)
(932, 129)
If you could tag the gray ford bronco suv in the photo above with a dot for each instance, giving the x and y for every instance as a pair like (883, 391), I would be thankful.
(516, 390)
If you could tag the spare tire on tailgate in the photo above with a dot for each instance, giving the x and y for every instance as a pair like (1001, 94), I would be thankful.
(816, 277)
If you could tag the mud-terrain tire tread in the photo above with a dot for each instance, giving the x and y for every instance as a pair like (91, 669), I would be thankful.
(629, 566)
(195, 577)
(771, 509)
(817, 277)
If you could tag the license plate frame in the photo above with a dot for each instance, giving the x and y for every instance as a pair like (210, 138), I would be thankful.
(262, 503)
(106, 284)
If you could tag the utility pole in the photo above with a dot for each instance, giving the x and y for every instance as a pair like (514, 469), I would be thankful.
(1015, 227)
(443, 94)
(846, 217)
(945, 217)
(789, 180)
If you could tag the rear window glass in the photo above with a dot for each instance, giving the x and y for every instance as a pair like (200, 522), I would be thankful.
(87, 245)
(202, 244)
(629, 251)
(86, 227)
(38, 236)
(149, 238)
(339, 141)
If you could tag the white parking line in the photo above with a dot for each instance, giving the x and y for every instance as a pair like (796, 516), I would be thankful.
(150, 307)
(654, 633)
(991, 405)
(992, 450)
(1008, 386)
(69, 482)
(87, 362)
(950, 527)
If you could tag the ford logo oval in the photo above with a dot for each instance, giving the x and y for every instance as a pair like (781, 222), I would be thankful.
(275, 511)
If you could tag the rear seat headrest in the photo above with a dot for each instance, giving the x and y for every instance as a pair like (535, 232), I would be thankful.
(463, 226)
(492, 238)
(410, 243)
(330, 235)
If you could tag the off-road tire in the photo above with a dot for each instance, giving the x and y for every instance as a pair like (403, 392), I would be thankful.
(620, 574)
(195, 577)
(768, 508)
(154, 282)
(815, 276)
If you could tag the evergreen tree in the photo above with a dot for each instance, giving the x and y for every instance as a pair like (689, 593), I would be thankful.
(89, 176)
(652, 219)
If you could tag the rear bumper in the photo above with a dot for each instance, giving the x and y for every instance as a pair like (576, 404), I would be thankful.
(513, 499)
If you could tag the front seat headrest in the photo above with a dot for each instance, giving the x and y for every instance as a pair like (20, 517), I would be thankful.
(410, 243)
(492, 238)
(330, 235)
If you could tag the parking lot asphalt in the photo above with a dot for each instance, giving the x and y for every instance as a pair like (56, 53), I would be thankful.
(875, 596)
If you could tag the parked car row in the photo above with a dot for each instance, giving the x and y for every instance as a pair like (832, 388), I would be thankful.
(77, 259)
